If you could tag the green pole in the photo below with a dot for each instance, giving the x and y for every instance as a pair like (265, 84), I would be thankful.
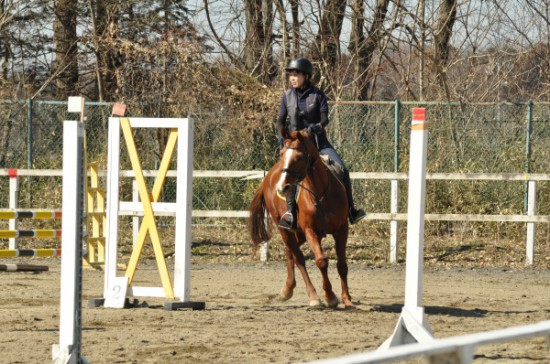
(396, 137)
(29, 133)
(529, 131)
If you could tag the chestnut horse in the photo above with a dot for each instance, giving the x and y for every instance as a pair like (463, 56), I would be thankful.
(322, 210)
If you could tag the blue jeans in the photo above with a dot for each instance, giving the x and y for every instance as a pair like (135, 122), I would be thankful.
(333, 156)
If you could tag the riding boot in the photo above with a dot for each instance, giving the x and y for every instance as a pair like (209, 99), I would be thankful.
(354, 215)
(289, 219)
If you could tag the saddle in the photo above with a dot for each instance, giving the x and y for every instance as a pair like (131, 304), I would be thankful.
(336, 169)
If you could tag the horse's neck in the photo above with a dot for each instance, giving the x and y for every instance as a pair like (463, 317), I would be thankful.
(318, 175)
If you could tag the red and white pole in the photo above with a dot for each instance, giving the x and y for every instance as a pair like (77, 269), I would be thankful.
(413, 325)
(415, 210)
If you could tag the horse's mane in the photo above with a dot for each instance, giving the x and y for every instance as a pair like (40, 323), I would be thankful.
(303, 137)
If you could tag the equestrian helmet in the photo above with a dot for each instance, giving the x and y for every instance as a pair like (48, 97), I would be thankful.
(301, 65)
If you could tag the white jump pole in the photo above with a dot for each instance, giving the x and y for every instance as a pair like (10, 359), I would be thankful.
(70, 329)
(413, 325)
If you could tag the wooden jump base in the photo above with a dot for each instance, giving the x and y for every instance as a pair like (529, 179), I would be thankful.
(8, 253)
(23, 268)
(27, 214)
(41, 233)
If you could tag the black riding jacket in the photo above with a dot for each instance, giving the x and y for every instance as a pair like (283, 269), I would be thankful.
(302, 108)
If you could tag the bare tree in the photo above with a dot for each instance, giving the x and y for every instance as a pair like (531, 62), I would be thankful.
(107, 58)
(294, 8)
(66, 41)
(442, 37)
(328, 41)
(255, 37)
(257, 52)
(363, 48)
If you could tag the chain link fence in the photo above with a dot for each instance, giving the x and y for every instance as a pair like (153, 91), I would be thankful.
(370, 136)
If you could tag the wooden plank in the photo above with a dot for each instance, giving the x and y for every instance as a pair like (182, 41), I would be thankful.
(353, 175)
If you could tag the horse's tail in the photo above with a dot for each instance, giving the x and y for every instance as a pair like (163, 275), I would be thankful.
(258, 227)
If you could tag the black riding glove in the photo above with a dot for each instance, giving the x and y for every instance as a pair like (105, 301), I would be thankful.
(315, 129)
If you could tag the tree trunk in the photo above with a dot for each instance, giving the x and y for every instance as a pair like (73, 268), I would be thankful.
(4, 46)
(65, 40)
(442, 37)
(255, 37)
(108, 57)
(295, 28)
(268, 69)
(362, 49)
(329, 41)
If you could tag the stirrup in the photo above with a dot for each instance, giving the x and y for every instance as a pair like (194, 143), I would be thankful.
(287, 225)
(356, 215)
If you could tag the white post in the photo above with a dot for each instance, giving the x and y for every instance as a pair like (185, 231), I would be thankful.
(531, 226)
(413, 325)
(394, 224)
(113, 179)
(184, 202)
(14, 198)
(68, 349)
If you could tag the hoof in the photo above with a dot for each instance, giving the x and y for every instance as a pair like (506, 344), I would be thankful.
(349, 308)
(332, 303)
(314, 303)
(347, 302)
(285, 297)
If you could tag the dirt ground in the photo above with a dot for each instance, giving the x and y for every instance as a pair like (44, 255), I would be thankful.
(245, 323)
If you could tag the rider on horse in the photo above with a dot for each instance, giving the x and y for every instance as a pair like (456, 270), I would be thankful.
(306, 107)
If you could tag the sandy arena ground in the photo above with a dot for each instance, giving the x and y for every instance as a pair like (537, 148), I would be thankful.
(245, 323)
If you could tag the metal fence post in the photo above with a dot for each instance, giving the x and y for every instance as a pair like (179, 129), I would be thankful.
(394, 204)
(29, 133)
(396, 161)
(528, 133)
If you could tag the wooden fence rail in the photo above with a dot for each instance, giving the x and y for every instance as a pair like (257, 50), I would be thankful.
(393, 216)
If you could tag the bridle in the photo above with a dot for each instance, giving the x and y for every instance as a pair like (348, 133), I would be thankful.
(300, 176)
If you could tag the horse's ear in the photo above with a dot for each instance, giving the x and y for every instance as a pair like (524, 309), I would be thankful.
(284, 133)
(303, 134)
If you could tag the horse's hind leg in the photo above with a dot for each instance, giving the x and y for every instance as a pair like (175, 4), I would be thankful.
(341, 239)
(288, 289)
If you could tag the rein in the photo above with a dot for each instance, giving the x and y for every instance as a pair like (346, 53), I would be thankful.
(318, 200)
(310, 164)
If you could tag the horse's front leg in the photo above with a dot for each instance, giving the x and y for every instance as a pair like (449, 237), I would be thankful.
(288, 289)
(321, 260)
(293, 248)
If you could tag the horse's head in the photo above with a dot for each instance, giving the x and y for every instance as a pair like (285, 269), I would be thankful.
(297, 156)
